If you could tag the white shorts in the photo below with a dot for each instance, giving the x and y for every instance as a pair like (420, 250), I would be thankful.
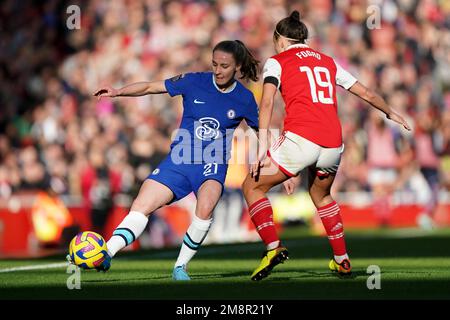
(292, 153)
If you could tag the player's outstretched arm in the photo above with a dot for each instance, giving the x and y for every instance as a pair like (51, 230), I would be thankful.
(132, 90)
(378, 102)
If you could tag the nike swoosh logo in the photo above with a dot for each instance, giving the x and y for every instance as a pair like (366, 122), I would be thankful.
(198, 101)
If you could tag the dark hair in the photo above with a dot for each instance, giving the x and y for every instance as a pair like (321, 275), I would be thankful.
(292, 28)
(242, 56)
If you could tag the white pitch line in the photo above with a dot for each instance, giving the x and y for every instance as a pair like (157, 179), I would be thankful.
(244, 247)
(36, 267)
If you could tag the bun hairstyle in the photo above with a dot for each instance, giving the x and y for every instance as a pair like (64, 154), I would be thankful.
(295, 15)
(292, 28)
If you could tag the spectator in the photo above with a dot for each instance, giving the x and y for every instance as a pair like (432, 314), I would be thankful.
(383, 163)
(46, 71)
(99, 185)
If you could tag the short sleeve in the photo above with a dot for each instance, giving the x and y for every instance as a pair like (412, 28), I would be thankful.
(343, 77)
(251, 116)
(178, 85)
(272, 72)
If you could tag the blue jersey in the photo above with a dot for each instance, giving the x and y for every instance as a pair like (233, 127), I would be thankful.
(209, 117)
(201, 149)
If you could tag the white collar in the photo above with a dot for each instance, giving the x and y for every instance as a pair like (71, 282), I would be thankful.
(228, 90)
(297, 45)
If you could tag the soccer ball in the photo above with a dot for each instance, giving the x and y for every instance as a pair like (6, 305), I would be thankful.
(87, 250)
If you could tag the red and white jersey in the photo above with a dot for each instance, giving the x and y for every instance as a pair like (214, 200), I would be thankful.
(307, 80)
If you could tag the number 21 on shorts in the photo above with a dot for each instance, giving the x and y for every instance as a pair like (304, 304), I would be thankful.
(316, 82)
(209, 169)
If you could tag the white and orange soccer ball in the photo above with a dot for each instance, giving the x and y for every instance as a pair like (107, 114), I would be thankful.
(87, 250)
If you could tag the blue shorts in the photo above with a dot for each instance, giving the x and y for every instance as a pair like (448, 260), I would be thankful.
(182, 179)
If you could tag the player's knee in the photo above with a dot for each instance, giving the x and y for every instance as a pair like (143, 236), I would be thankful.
(248, 186)
(315, 194)
(320, 198)
(204, 209)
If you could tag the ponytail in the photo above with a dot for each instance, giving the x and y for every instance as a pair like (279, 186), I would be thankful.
(242, 56)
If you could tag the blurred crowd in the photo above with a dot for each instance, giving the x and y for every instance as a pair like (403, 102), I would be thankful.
(55, 135)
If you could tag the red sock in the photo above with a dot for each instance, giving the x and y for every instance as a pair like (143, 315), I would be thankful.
(332, 222)
(262, 216)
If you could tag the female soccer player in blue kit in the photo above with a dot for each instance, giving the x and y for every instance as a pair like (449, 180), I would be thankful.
(214, 104)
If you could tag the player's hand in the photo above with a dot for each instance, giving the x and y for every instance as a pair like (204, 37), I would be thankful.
(291, 184)
(394, 116)
(257, 165)
(106, 92)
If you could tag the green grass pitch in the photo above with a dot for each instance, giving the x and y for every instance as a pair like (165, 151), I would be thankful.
(414, 265)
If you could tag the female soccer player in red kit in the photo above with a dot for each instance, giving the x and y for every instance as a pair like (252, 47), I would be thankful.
(312, 138)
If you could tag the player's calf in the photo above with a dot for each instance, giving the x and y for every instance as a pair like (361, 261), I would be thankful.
(127, 232)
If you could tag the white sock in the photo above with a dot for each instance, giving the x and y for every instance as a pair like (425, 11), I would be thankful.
(192, 240)
(273, 245)
(339, 259)
(127, 231)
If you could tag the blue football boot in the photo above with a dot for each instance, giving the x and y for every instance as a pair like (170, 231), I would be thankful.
(106, 263)
(180, 273)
